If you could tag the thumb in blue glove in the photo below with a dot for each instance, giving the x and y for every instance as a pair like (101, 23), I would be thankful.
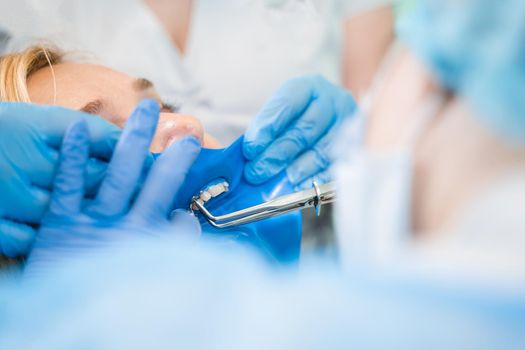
(117, 213)
(295, 131)
(30, 137)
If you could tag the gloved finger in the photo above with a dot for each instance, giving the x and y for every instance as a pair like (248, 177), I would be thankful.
(94, 174)
(344, 104)
(312, 125)
(40, 161)
(185, 223)
(47, 126)
(96, 170)
(165, 179)
(15, 238)
(68, 189)
(312, 161)
(26, 204)
(286, 105)
(43, 168)
(53, 121)
(321, 178)
(125, 167)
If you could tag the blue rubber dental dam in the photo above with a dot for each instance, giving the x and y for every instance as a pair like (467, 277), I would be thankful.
(217, 177)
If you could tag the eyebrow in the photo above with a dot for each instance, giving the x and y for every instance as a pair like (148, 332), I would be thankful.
(93, 107)
(142, 84)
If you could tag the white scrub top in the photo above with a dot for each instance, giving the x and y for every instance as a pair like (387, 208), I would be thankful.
(238, 51)
(238, 58)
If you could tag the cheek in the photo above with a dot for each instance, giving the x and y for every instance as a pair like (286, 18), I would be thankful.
(172, 128)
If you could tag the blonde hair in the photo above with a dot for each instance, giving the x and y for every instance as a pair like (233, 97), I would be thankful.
(17, 68)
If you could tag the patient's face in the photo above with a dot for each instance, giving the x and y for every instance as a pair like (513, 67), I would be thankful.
(112, 95)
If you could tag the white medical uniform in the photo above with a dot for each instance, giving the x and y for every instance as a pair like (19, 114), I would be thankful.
(238, 51)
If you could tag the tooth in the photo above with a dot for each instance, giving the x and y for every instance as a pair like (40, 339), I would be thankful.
(205, 196)
(216, 190)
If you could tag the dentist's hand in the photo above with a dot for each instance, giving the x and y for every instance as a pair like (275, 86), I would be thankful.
(295, 131)
(30, 137)
(116, 214)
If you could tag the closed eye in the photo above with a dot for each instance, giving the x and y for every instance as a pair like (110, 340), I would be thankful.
(168, 107)
(93, 107)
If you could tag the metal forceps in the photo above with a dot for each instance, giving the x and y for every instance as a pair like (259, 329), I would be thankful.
(313, 197)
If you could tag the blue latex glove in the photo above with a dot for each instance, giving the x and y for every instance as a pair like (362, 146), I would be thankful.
(30, 137)
(295, 131)
(72, 224)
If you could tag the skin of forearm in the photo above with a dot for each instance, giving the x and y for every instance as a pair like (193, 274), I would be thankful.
(367, 38)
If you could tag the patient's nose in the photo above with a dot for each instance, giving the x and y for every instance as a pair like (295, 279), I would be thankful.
(173, 127)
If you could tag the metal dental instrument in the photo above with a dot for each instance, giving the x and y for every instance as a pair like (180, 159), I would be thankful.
(313, 197)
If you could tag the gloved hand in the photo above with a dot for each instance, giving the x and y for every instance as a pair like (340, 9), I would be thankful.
(295, 131)
(30, 137)
(72, 224)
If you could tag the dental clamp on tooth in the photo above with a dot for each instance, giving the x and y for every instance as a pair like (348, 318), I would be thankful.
(314, 197)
